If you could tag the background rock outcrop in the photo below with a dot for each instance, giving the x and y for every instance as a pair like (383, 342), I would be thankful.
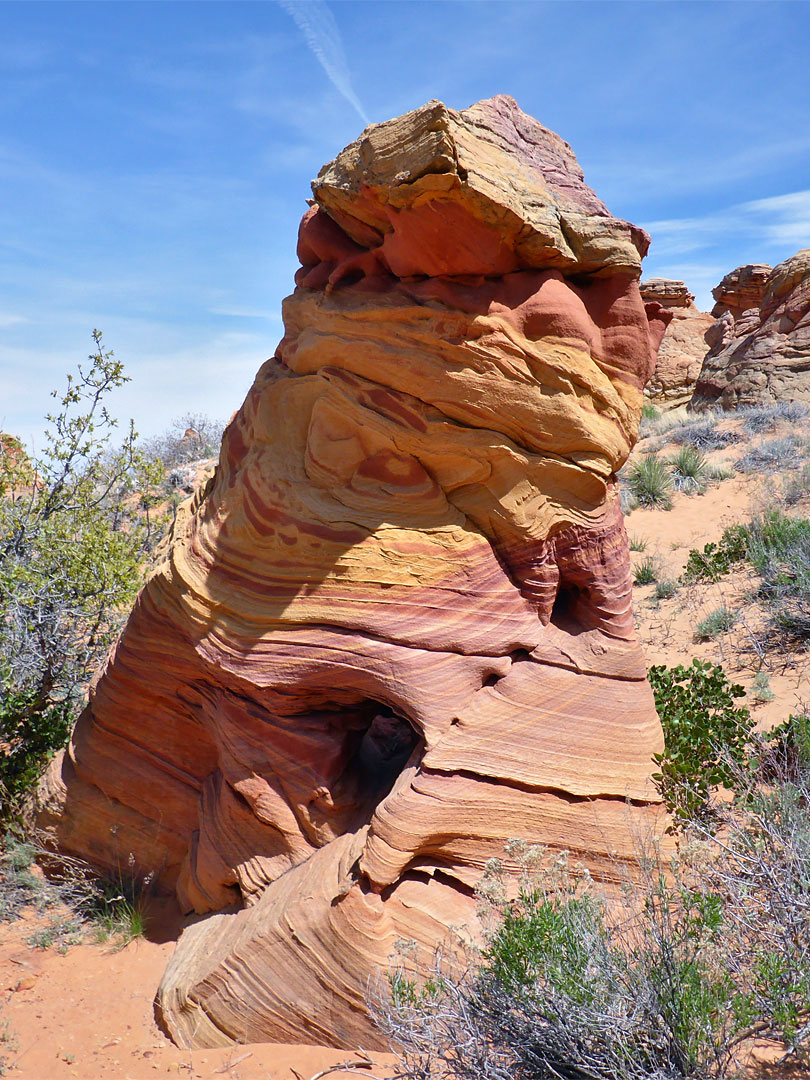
(759, 345)
(683, 348)
(394, 629)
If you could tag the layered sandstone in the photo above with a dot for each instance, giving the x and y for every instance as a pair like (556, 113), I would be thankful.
(394, 629)
(682, 350)
(759, 345)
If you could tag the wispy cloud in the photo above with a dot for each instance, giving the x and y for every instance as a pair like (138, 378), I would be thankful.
(782, 221)
(317, 23)
(6, 320)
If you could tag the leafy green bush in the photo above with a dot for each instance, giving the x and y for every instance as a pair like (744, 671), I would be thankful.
(637, 543)
(30, 735)
(650, 482)
(717, 559)
(76, 525)
(706, 736)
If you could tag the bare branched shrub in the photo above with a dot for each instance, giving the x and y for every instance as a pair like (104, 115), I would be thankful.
(772, 455)
(762, 418)
(190, 437)
(704, 435)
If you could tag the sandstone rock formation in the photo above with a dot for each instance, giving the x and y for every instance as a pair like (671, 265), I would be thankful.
(395, 628)
(681, 352)
(759, 345)
(740, 290)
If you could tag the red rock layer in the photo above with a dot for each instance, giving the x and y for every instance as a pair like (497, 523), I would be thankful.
(683, 347)
(759, 345)
(394, 629)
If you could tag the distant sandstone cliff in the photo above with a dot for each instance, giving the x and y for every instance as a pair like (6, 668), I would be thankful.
(394, 629)
(759, 345)
(681, 353)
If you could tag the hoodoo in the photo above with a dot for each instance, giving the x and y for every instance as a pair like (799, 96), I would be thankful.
(759, 345)
(394, 629)
(682, 350)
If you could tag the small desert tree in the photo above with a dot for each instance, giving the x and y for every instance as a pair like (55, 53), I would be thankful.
(76, 524)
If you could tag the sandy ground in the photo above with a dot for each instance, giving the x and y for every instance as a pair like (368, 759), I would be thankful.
(87, 1014)
(667, 627)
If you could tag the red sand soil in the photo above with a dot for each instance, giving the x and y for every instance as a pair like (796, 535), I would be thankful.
(87, 1014)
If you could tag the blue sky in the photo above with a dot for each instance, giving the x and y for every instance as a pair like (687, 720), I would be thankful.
(155, 157)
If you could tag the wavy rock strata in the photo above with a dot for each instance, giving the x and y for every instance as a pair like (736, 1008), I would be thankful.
(683, 348)
(759, 346)
(394, 629)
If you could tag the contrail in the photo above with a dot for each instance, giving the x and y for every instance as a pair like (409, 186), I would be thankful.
(317, 23)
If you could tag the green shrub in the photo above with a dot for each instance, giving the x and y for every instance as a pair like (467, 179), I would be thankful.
(717, 559)
(761, 689)
(645, 572)
(650, 482)
(666, 589)
(779, 549)
(706, 736)
(643, 987)
(77, 523)
(690, 470)
(638, 543)
(716, 623)
(30, 735)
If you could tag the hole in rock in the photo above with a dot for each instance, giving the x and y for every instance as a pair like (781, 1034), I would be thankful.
(519, 655)
(490, 680)
(382, 752)
(564, 611)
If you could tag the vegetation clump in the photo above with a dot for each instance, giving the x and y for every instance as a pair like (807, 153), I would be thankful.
(772, 455)
(646, 572)
(717, 559)
(706, 735)
(650, 482)
(690, 470)
(779, 549)
(715, 623)
(704, 435)
(77, 523)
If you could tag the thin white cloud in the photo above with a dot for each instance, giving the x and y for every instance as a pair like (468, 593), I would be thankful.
(317, 23)
(781, 221)
(7, 319)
